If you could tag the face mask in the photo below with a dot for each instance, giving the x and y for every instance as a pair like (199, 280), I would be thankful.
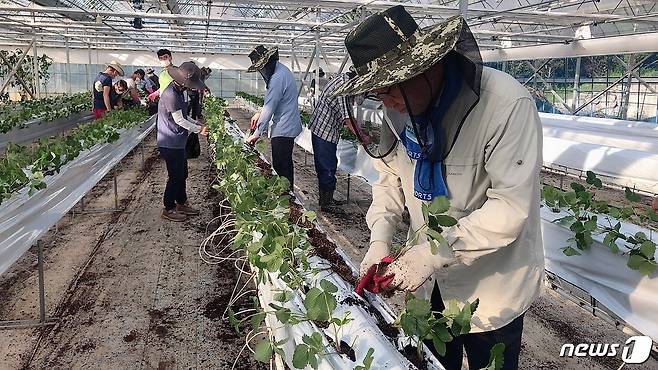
(165, 63)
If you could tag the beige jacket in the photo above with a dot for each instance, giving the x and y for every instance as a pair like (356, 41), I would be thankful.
(492, 175)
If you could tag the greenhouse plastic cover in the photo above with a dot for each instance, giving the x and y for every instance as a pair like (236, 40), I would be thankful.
(24, 219)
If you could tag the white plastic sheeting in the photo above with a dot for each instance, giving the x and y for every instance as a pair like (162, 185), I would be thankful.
(24, 218)
(624, 151)
(604, 275)
(35, 129)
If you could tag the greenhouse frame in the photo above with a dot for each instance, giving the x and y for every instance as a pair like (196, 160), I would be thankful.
(111, 110)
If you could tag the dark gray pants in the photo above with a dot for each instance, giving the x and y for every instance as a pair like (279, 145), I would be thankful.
(478, 345)
(282, 157)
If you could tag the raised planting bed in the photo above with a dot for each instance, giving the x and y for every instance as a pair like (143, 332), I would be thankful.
(33, 112)
(305, 283)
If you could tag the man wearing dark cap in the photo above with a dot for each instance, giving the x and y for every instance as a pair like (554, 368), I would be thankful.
(173, 128)
(280, 112)
(469, 133)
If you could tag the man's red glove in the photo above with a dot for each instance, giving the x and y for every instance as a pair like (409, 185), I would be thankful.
(372, 281)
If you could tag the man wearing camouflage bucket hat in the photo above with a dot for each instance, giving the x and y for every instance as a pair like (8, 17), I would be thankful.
(471, 134)
(280, 112)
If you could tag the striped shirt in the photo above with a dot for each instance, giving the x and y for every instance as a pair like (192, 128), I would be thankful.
(331, 111)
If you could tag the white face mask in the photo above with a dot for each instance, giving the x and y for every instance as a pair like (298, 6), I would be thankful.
(165, 63)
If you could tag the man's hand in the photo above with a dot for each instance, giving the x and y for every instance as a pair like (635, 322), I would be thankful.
(204, 130)
(416, 265)
(254, 120)
(251, 140)
(374, 255)
(366, 139)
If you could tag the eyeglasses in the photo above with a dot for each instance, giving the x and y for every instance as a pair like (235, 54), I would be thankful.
(377, 96)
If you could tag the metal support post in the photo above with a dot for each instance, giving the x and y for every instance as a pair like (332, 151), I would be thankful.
(68, 63)
(576, 85)
(305, 155)
(82, 204)
(349, 181)
(87, 66)
(317, 61)
(463, 8)
(116, 194)
(43, 320)
(42, 288)
(35, 68)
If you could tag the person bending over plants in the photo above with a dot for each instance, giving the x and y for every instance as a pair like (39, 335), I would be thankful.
(173, 128)
(280, 107)
(472, 134)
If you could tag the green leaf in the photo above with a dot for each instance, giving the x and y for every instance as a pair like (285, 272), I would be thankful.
(653, 216)
(433, 234)
(570, 251)
(446, 221)
(593, 180)
(256, 320)
(439, 346)
(283, 296)
(648, 267)
(263, 351)
(300, 357)
(440, 204)
(319, 304)
(631, 195)
(635, 261)
(496, 357)
(590, 225)
(434, 246)
(418, 307)
(577, 187)
(328, 286)
(233, 321)
(648, 249)
(367, 361)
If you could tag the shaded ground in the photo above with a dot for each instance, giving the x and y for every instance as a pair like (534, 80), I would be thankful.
(551, 322)
(130, 288)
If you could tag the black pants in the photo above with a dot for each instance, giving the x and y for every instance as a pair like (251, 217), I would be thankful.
(194, 106)
(282, 157)
(478, 345)
(324, 156)
(176, 161)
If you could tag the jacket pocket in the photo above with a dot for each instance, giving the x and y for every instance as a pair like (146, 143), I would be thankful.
(466, 182)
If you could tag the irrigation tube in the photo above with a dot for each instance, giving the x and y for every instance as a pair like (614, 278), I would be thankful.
(361, 333)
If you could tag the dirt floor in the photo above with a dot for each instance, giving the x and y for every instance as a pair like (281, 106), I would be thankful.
(129, 288)
(551, 322)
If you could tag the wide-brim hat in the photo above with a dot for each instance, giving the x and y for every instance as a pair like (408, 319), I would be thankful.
(187, 74)
(389, 47)
(117, 67)
(260, 56)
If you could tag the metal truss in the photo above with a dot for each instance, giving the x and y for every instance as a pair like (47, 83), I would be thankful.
(234, 27)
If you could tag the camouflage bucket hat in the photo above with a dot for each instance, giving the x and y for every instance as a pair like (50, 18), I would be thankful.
(389, 47)
(260, 56)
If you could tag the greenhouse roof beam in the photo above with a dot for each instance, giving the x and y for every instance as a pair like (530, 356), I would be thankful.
(161, 16)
